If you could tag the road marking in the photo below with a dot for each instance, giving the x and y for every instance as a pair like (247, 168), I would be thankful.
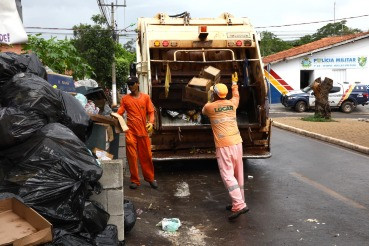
(327, 190)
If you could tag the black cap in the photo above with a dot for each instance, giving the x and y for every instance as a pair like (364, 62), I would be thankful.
(131, 80)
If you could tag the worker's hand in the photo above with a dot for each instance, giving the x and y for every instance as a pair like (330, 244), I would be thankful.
(210, 94)
(149, 127)
(234, 78)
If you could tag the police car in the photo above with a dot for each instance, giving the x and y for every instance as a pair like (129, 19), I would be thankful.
(344, 95)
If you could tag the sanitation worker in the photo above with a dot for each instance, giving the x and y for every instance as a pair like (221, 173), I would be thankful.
(140, 120)
(228, 143)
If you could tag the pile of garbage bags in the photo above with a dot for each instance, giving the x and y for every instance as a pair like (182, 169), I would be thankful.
(43, 158)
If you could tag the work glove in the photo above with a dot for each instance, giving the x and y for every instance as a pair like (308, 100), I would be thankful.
(210, 94)
(234, 78)
(149, 127)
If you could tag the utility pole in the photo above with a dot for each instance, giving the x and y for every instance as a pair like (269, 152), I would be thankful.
(113, 71)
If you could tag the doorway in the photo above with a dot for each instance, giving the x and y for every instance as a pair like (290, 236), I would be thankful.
(306, 78)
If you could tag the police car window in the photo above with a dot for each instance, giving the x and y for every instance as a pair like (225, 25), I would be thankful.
(335, 89)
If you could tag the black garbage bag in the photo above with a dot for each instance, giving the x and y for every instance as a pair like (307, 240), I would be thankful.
(58, 195)
(54, 170)
(12, 63)
(71, 240)
(17, 125)
(95, 218)
(6, 195)
(75, 117)
(108, 237)
(55, 143)
(130, 216)
(28, 92)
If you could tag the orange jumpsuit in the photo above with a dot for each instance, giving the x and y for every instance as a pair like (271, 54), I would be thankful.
(228, 143)
(137, 139)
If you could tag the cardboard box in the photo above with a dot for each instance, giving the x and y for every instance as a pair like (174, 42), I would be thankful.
(21, 225)
(102, 154)
(211, 73)
(195, 96)
(200, 84)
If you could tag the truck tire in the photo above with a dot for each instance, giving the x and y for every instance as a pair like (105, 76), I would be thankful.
(347, 107)
(300, 106)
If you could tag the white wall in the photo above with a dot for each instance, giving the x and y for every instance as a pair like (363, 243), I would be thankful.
(289, 70)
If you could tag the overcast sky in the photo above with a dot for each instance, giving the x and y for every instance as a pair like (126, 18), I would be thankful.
(266, 13)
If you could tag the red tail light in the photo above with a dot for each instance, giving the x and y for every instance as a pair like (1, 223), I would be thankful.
(366, 95)
(165, 43)
(203, 28)
(239, 43)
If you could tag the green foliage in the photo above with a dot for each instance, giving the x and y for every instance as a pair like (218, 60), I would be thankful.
(270, 44)
(334, 29)
(123, 59)
(95, 44)
(59, 55)
(317, 119)
(130, 46)
(303, 40)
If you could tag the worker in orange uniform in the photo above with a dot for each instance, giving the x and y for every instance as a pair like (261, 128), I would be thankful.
(228, 143)
(140, 120)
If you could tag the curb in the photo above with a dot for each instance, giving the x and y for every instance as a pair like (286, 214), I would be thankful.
(336, 141)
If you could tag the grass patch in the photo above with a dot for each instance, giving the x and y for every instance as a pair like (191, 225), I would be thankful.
(317, 119)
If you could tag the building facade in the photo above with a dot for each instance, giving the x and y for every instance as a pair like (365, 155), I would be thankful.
(343, 59)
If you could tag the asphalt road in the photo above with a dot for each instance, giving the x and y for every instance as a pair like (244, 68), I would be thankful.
(307, 193)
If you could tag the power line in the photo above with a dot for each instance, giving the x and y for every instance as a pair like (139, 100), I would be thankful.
(102, 11)
(314, 22)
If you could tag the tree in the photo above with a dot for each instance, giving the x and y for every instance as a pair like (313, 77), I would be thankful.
(123, 59)
(334, 29)
(270, 44)
(321, 92)
(95, 44)
(59, 55)
(303, 40)
(130, 46)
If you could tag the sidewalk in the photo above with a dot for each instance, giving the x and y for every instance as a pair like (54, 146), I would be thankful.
(350, 130)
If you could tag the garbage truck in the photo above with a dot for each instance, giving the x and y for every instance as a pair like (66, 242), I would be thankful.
(172, 51)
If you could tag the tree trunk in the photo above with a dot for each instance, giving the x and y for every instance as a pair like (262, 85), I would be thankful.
(321, 91)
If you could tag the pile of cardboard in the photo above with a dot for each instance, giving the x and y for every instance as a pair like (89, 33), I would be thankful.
(196, 91)
(21, 225)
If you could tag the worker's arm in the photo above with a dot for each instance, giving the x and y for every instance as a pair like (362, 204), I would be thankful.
(204, 109)
(151, 115)
(150, 111)
(235, 94)
(121, 109)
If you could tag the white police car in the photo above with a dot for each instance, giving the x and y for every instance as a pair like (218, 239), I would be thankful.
(345, 96)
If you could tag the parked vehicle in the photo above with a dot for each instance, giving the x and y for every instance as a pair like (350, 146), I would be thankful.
(344, 95)
(178, 48)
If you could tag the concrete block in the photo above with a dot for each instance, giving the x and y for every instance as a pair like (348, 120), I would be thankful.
(122, 152)
(122, 139)
(112, 174)
(101, 198)
(115, 202)
(118, 220)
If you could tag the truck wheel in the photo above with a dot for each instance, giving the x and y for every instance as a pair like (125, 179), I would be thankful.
(300, 106)
(347, 107)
